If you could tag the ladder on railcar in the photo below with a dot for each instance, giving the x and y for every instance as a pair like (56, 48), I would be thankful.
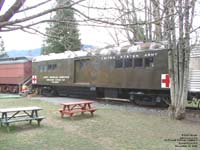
(25, 85)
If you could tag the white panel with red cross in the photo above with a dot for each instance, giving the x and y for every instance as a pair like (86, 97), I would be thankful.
(34, 79)
(165, 81)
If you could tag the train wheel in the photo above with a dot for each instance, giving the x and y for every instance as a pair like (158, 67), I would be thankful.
(48, 91)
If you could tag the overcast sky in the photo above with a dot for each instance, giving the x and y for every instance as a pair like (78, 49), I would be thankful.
(21, 40)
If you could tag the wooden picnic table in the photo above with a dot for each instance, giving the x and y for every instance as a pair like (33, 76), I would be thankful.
(10, 115)
(76, 107)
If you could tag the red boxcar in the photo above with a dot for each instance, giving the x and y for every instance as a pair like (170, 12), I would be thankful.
(14, 72)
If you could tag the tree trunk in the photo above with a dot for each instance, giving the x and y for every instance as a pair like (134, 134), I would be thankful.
(179, 56)
(146, 20)
(157, 19)
(150, 20)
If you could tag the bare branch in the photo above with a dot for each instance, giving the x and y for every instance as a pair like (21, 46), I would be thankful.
(5, 23)
(12, 10)
(192, 12)
(120, 24)
(79, 22)
(107, 8)
(1, 3)
(35, 6)
(37, 31)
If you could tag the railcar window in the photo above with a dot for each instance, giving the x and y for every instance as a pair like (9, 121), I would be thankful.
(45, 68)
(148, 62)
(118, 63)
(128, 62)
(83, 63)
(54, 66)
(138, 62)
(41, 68)
(49, 67)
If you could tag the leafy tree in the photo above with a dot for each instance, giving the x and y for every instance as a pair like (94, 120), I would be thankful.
(63, 34)
(2, 47)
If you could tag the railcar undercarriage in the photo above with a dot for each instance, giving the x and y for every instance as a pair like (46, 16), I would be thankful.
(9, 89)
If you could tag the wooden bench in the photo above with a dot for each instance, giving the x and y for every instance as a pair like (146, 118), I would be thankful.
(2, 121)
(77, 107)
(91, 110)
(7, 122)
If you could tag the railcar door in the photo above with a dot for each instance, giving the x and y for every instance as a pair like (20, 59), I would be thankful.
(82, 71)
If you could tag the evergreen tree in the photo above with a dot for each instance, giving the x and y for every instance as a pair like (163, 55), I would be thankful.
(63, 34)
(3, 54)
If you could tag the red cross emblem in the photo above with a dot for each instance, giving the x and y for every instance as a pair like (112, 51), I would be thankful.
(34, 79)
(165, 81)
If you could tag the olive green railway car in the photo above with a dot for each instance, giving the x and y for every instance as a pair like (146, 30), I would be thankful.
(139, 75)
(99, 76)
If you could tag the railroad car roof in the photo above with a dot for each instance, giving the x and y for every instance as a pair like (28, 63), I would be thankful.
(104, 51)
(15, 60)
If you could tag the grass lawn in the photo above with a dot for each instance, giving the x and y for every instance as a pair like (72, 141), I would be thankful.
(109, 129)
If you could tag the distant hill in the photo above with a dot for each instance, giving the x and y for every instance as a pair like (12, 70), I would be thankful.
(85, 46)
(35, 52)
(20, 53)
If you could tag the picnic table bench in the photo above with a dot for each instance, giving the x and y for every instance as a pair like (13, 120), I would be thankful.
(76, 107)
(11, 115)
